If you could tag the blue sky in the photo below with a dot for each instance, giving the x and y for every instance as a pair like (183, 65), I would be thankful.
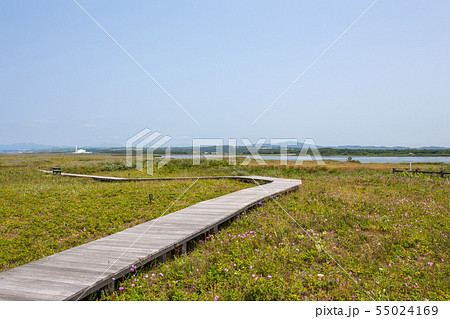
(63, 81)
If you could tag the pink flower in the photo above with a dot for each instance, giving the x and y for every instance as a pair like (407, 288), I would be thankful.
(269, 276)
(216, 298)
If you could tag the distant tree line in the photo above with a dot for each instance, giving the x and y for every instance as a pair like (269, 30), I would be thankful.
(325, 151)
(383, 152)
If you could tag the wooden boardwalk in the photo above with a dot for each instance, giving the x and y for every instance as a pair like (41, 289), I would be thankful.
(77, 272)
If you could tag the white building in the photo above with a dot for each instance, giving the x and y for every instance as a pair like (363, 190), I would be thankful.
(80, 151)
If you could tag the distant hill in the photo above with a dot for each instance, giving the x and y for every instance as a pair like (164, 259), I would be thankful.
(265, 148)
(24, 146)
(359, 147)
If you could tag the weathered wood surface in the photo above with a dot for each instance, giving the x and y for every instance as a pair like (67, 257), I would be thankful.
(80, 271)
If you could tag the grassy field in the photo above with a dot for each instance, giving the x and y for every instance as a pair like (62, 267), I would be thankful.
(42, 214)
(351, 232)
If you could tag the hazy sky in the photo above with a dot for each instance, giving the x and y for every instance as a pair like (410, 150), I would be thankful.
(63, 81)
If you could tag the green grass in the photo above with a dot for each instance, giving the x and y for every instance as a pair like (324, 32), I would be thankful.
(42, 214)
(389, 233)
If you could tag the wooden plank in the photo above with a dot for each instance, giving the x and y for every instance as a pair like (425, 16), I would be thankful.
(38, 286)
(73, 272)
(20, 295)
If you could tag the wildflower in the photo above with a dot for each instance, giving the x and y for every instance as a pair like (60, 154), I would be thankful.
(269, 276)
(320, 275)
(353, 296)
(161, 274)
(216, 298)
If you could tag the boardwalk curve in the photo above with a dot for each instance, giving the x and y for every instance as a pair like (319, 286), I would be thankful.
(78, 272)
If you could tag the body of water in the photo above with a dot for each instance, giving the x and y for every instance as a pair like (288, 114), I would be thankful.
(362, 159)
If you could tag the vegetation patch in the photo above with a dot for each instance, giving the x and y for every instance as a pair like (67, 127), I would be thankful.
(357, 235)
(42, 214)
(351, 231)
